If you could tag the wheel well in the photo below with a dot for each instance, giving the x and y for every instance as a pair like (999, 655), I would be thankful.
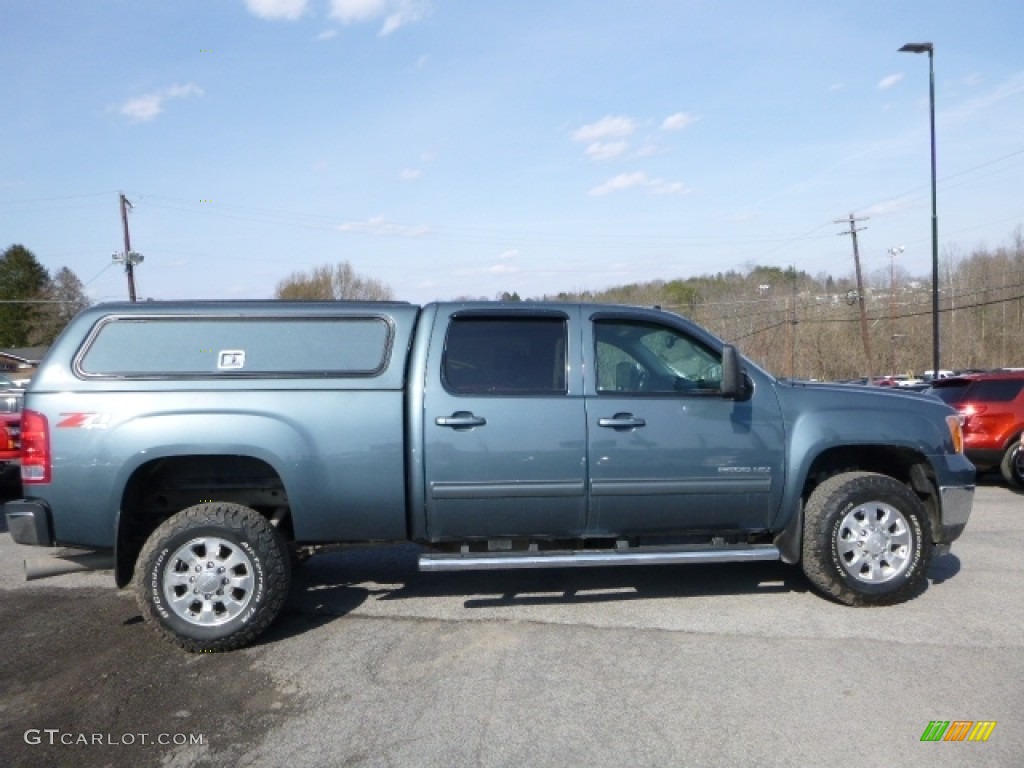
(163, 487)
(908, 466)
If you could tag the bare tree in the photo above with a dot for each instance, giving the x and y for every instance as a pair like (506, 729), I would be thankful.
(64, 297)
(327, 283)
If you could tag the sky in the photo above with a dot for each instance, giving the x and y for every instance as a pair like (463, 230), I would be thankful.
(456, 148)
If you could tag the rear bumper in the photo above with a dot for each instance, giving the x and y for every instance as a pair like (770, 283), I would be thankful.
(985, 458)
(29, 522)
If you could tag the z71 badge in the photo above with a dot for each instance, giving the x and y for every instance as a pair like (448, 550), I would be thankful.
(84, 421)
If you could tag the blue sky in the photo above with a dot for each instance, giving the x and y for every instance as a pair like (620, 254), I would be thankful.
(466, 148)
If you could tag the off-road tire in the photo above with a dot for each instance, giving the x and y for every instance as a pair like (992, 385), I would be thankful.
(867, 540)
(1012, 465)
(201, 550)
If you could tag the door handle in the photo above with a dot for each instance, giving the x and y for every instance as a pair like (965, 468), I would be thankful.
(622, 421)
(460, 420)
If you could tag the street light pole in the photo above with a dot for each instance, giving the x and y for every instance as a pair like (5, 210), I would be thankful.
(930, 50)
(893, 253)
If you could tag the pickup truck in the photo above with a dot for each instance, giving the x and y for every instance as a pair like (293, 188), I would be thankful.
(199, 449)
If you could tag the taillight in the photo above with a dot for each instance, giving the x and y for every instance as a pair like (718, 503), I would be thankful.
(967, 412)
(35, 447)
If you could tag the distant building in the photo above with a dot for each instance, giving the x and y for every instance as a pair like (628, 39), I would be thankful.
(21, 364)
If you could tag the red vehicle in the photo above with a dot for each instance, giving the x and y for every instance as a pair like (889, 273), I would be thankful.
(992, 408)
(10, 446)
(11, 399)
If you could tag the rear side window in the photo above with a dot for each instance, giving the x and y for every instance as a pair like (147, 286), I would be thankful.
(212, 346)
(505, 355)
(995, 390)
(950, 391)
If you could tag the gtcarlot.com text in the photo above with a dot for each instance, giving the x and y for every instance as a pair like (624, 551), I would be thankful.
(55, 737)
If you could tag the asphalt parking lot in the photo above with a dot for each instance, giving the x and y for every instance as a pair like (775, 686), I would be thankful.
(376, 664)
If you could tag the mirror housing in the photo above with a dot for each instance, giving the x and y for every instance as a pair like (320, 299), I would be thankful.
(734, 380)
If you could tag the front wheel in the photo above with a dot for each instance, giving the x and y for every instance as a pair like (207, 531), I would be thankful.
(1012, 465)
(212, 577)
(867, 539)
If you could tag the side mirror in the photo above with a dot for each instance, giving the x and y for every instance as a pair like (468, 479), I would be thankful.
(734, 382)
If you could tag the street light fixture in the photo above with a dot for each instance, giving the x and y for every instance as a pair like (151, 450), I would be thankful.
(930, 50)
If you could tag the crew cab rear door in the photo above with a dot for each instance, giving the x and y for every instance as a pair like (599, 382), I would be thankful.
(503, 423)
(668, 453)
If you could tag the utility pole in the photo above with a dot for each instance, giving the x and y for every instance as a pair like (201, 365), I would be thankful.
(129, 258)
(860, 290)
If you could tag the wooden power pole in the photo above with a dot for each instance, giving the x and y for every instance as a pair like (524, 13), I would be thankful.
(860, 291)
(129, 258)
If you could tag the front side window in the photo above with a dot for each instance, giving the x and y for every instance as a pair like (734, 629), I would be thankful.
(501, 355)
(637, 357)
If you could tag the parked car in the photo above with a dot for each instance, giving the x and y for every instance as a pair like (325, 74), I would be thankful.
(12, 398)
(991, 406)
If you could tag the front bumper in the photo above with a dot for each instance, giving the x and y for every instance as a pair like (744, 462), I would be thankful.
(29, 522)
(957, 501)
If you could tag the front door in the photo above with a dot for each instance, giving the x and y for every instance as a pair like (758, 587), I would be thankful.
(668, 454)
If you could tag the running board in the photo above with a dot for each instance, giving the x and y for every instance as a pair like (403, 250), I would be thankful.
(486, 561)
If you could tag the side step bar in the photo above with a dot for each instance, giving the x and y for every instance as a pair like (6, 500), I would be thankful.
(488, 561)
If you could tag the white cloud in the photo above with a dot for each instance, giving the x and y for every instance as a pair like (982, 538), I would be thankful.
(835, 87)
(145, 108)
(678, 121)
(380, 226)
(408, 12)
(639, 179)
(410, 174)
(608, 127)
(511, 253)
(501, 269)
(327, 34)
(620, 182)
(890, 206)
(888, 82)
(277, 9)
(1011, 88)
(183, 91)
(355, 11)
(605, 150)
(396, 13)
(660, 187)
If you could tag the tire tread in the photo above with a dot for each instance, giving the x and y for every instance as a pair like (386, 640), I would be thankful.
(247, 524)
(817, 546)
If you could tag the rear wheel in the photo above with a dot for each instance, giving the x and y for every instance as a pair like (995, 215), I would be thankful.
(213, 577)
(1012, 465)
(867, 539)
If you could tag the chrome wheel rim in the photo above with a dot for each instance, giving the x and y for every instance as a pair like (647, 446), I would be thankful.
(874, 543)
(208, 581)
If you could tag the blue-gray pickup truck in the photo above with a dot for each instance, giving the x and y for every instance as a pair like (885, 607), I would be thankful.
(200, 448)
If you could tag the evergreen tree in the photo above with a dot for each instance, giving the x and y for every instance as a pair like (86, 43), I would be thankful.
(22, 279)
